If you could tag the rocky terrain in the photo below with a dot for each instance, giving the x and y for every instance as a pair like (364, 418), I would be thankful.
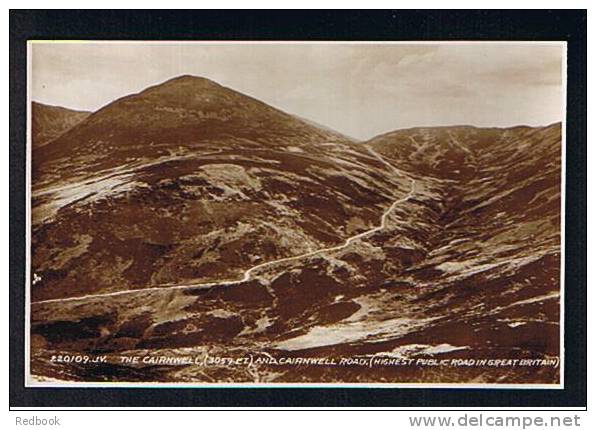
(191, 222)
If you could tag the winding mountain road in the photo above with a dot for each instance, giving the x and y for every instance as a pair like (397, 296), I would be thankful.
(250, 273)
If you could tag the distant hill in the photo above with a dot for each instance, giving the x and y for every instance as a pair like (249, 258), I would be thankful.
(49, 122)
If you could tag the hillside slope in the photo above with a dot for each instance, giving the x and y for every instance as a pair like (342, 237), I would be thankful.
(466, 264)
(183, 114)
(194, 183)
(49, 122)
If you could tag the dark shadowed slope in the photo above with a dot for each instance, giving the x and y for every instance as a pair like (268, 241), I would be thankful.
(49, 122)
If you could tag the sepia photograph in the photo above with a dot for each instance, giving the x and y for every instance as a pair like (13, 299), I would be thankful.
(295, 213)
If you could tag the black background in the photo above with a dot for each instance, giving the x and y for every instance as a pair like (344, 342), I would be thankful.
(560, 25)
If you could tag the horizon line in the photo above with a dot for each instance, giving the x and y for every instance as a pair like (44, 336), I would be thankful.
(317, 123)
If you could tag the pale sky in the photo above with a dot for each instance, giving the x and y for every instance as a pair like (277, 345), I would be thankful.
(358, 89)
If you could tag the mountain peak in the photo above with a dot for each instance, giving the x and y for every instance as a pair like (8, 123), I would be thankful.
(185, 110)
(188, 78)
(185, 82)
